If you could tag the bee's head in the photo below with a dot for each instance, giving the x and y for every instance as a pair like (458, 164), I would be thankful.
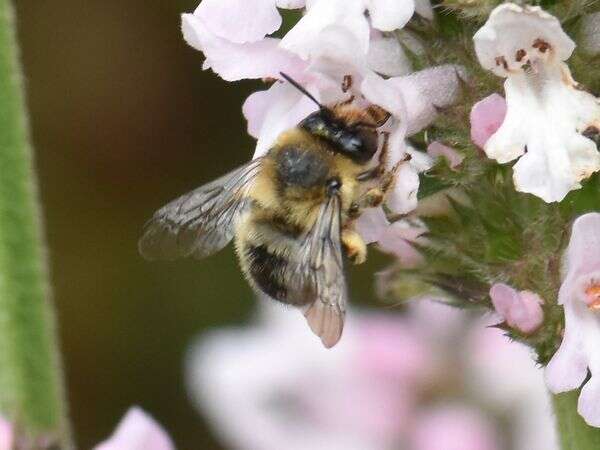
(350, 131)
(357, 142)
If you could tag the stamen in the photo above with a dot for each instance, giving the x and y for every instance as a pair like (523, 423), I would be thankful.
(592, 295)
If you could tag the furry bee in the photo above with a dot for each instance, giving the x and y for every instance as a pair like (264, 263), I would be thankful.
(290, 212)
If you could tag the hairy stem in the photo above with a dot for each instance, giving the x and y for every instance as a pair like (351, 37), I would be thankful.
(574, 433)
(31, 392)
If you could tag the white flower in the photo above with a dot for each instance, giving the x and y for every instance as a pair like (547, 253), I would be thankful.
(580, 296)
(547, 112)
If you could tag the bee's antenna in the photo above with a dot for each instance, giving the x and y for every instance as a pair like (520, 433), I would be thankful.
(301, 89)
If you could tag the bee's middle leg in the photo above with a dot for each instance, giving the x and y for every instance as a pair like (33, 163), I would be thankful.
(354, 245)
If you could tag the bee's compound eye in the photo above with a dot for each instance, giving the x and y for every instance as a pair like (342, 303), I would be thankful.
(333, 185)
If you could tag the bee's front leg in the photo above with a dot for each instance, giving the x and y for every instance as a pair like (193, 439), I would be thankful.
(354, 246)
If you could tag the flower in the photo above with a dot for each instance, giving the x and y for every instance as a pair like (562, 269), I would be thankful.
(521, 310)
(579, 352)
(398, 368)
(6, 434)
(486, 117)
(546, 111)
(137, 431)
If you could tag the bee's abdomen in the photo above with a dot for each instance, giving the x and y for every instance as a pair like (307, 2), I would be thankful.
(265, 269)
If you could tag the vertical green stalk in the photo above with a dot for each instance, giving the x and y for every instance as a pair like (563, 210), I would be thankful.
(31, 393)
(574, 433)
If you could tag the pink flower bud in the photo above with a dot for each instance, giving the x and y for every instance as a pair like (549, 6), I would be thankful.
(521, 310)
(486, 117)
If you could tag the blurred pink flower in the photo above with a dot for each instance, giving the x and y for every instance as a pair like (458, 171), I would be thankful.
(137, 431)
(454, 427)
(521, 310)
(382, 388)
(437, 149)
(579, 351)
(486, 117)
(6, 434)
(276, 377)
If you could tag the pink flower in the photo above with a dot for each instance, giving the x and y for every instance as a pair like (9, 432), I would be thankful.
(453, 427)
(486, 117)
(137, 431)
(521, 310)
(6, 434)
(579, 350)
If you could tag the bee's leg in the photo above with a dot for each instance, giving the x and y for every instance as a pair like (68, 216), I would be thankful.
(355, 247)
(376, 195)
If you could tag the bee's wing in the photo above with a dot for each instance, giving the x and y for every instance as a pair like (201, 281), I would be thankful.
(322, 268)
(201, 222)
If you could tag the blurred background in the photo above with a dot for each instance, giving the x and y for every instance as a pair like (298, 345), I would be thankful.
(123, 120)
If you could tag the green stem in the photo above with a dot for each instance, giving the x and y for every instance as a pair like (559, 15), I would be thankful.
(31, 392)
(574, 433)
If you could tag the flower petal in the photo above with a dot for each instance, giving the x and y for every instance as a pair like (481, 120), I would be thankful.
(371, 224)
(387, 57)
(271, 112)
(403, 197)
(389, 15)
(230, 19)
(137, 431)
(415, 99)
(304, 38)
(234, 61)
(290, 4)
(486, 117)
(515, 35)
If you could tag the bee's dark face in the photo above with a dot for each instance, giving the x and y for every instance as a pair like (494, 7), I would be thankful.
(359, 143)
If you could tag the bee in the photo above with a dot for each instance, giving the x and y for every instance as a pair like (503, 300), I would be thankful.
(291, 212)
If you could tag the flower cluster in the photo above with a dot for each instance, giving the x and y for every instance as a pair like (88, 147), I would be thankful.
(338, 49)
